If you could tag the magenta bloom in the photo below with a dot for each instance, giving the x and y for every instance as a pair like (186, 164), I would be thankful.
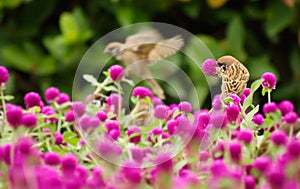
(114, 134)
(52, 158)
(114, 100)
(258, 119)
(142, 92)
(246, 136)
(32, 99)
(109, 150)
(218, 168)
(269, 107)
(286, 106)
(137, 154)
(216, 103)
(101, 115)
(247, 92)
(156, 101)
(202, 120)
(218, 119)
(116, 72)
(235, 151)
(269, 80)
(4, 75)
(29, 120)
(185, 107)
(88, 122)
(51, 94)
(294, 149)
(161, 112)
(131, 172)
(112, 124)
(209, 67)
(69, 163)
(291, 117)
(262, 163)
(25, 145)
(279, 137)
(250, 182)
(78, 109)
(136, 132)
(164, 163)
(172, 126)
(58, 138)
(14, 116)
(62, 98)
(69, 116)
(232, 113)
(276, 179)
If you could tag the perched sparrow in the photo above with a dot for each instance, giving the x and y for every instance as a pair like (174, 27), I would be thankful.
(144, 49)
(143, 113)
(234, 75)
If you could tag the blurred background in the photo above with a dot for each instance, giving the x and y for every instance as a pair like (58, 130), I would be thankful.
(43, 41)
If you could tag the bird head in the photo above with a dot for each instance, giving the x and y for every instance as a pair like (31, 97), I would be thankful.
(113, 48)
(225, 61)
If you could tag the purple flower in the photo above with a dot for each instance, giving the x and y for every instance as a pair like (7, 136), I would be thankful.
(235, 151)
(204, 156)
(276, 179)
(294, 149)
(58, 138)
(14, 116)
(202, 120)
(209, 67)
(29, 120)
(69, 116)
(52, 158)
(114, 134)
(109, 150)
(4, 75)
(250, 182)
(137, 154)
(112, 124)
(116, 72)
(114, 100)
(217, 119)
(78, 108)
(247, 92)
(142, 92)
(62, 98)
(88, 122)
(163, 163)
(232, 113)
(269, 107)
(156, 101)
(25, 145)
(101, 115)
(51, 94)
(246, 136)
(235, 99)
(258, 119)
(218, 168)
(136, 132)
(32, 99)
(216, 104)
(161, 112)
(262, 163)
(69, 163)
(291, 117)
(97, 178)
(269, 80)
(172, 126)
(185, 107)
(286, 106)
(279, 137)
(131, 172)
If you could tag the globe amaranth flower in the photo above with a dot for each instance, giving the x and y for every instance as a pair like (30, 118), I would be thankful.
(78, 108)
(258, 119)
(269, 80)
(232, 113)
(161, 112)
(286, 106)
(51, 94)
(4, 75)
(69, 116)
(172, 126)
(14, 116)
(131, 171)
(293, 149)
(142, 92)
(216, 103)
(262, 164)
(114, 133)
(276, 179)
(137, 154)
(279, 137)
(88, 122)
(209, 67)
(269, 107)
(25, 144)
(250, 182)
(202, 120)
(32, 99)
(235, 151)
(291, 117)
(245, 135)
(115, 100)
(136, 132)
(156, 101)
(58, 138)
(185, 107)
(62, 98)
(112, 124)
(218, 168)
(52, 158)
(101, 115)
(69, 163)
(29, 120)
(116, 72)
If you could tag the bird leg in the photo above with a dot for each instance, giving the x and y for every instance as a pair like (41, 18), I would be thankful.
(156, 88)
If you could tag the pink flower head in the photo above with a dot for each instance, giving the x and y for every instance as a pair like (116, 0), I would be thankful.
(185, 107)
(161, 112)
(58, 138)
(164, 163)
(131, 172)
(142, 92)
(279, 137)
(116, 72)
(4, 75)
(269, 107)
(262, 164)
(216, 103)
(250, 182)
(114, 134)
(29, 120)
(69, 163)
(52, 158)
(232, 113)
(137, 154)
(112, 124)
(51, 94)
(172, 126)
(136, 132)
(258, 119)
(209, 67)
(69, 116)
(286, 106)
(78, 109)
(202, 120)
(114, 100)
(88, 122)
(14, 116)
(32, 99)
(245, 135)
(294, 149)
(235, 151)
(291, 117)
(62, 98)
(269, 80)
(101, 115)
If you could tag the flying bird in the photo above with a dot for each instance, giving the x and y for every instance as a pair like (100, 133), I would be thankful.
(234, 75)
(141, 50)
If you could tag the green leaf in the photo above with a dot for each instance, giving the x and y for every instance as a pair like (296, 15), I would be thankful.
(125, 15)
(236, 38)
(255, 85)
(82, 23)
(250, 115)
(180, 165)
(130, 82)
(69, 28)
(110, 88)
(91, 79)
(248, 101)
(8, 97)
(70, 138)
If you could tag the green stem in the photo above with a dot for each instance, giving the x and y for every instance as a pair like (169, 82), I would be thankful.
(269, 96)
(119, 99)
(3, 107)
(291, 132)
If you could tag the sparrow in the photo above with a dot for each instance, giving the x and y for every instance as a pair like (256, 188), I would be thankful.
(141, 50)
(142, 113)
(234, 75)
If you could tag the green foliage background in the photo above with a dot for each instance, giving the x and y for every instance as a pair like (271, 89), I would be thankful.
(42, 41)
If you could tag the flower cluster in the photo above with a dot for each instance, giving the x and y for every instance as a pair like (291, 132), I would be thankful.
(52, 142)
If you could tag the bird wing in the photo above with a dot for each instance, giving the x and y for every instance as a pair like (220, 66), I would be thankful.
(149, 36)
